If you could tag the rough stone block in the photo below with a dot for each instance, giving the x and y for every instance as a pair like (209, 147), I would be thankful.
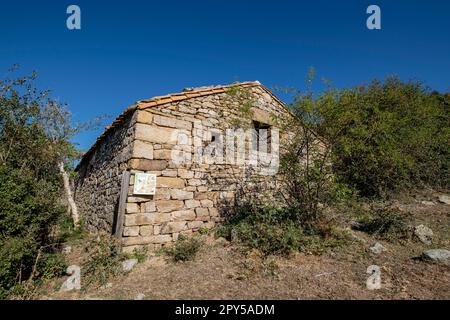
(131, 231)
(192, 204)
(194, 182)
(132, 241)
(172, 122)
(162, 238)
(207, 203)
(162, 194)
(183, 215)
(156, 134)
(130, 220)
(181, 194)
(148, 206)
(146, 218)
(132, 208)
(202, 213)
(142, 149)
(200, 195)
(209, 224)
(262, 116)
(148, 165)
(169, 205)
(172, 227)
(163, 154)
(213, 212)
(168, 182)
(169, 173)
(185, 174)
(144, 117)
(195, 224)
(146, 230)
(139, 199)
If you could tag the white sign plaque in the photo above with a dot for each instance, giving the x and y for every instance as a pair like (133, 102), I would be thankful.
(144, 183)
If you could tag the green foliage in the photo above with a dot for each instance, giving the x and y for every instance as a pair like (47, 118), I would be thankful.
(141, 254)
(67, 232)
(307, 181)
(385, 136)
(273, 231)
(246, 101)
(185, 249)
(103, 260)
(388, 223)
(29, 187)
(203, 231)
(51, 265)
(306, 176)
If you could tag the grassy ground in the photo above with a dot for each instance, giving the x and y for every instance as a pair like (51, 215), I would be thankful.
(223, 271)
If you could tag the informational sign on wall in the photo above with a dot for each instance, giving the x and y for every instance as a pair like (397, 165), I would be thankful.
(144, 184)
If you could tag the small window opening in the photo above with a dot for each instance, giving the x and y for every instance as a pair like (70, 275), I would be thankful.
(259, 128)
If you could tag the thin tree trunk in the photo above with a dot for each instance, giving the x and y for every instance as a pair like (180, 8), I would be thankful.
(70, 200)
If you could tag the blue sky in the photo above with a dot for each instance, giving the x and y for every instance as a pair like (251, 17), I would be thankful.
(132, 50)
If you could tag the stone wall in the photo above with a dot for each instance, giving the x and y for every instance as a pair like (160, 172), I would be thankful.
(189, 196)
(97, 186)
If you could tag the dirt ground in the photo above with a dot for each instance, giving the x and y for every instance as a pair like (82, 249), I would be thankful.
(222, 271)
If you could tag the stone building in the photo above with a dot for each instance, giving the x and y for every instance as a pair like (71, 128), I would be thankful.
(174, 147)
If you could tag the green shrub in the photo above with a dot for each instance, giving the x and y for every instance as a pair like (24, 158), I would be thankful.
(29, 210)
(387, 223)
(272, 231)
(31, 146)
(51, 265)
(67, 232)
(185, 249)
(386, 136)
(103, 260)
(203, 231)
(141, 254)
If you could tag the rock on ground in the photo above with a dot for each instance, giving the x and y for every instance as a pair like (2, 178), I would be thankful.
(67, 249)
(140, 296)
(437, 255)
(74, 280)
(377, 248)
(444, 199)
(129, 264)
(107, 285)
(424, 234)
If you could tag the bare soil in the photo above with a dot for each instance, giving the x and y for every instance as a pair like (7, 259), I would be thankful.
(223, 271)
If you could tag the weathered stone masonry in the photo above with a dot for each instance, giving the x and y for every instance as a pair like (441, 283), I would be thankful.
(189, 196)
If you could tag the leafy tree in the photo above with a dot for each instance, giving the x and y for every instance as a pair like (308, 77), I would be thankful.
(386, 136)
(34, 151)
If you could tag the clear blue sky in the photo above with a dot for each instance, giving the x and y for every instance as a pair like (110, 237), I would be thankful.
(132, 50)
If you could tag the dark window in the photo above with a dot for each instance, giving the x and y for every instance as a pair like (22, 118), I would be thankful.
(259, 127)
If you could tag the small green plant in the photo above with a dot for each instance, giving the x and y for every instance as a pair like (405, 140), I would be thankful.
(387, 223)
(185, 249)
(141, 254)
(246, 102)
(203, 231)
(103, 260)
(67, 232)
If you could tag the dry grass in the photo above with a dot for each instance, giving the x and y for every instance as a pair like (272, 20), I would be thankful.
(222, 271)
